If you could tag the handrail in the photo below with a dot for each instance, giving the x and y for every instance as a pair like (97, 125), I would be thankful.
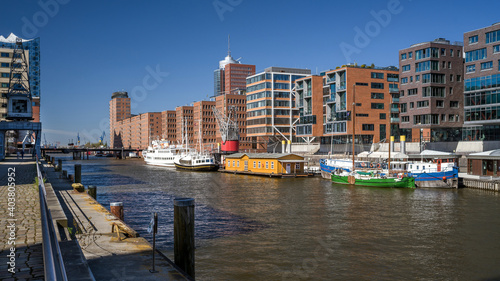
(52, 258)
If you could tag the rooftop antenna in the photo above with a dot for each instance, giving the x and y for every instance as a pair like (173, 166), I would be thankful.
(228, 45)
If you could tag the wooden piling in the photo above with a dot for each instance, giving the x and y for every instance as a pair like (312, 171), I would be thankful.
(116, 209)
(78, 173)
(184, 234)
(92, 191)
(59, 164)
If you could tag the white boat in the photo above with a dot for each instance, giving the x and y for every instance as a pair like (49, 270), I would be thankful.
(196, 161)
(162, 153)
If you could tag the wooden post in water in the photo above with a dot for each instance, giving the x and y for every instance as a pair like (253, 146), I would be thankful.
(59, 164)
(117, 209)
(184, 234)
(92, 191)
(78, 173)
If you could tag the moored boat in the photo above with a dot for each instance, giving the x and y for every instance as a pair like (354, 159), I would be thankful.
(196, 162)
(371, 179)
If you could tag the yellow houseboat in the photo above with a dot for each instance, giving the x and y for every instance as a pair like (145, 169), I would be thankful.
(265, 164)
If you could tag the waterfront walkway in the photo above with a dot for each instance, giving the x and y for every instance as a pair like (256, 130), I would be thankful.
(26, 217)
(109, 257)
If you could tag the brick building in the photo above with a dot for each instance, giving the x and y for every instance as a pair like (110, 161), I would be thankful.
(132, 131)
(184, 123)
(326, 103)
(431, 97)
(204, 122)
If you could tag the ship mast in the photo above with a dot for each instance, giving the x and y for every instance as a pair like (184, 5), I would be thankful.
(353, 122)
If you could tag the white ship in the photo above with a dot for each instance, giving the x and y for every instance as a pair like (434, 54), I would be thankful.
(161, 153)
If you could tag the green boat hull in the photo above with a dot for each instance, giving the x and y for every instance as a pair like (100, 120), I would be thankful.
(405, 182)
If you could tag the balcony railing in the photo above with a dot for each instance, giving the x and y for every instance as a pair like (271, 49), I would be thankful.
(395, 120)
(395, 109)
(393, 90)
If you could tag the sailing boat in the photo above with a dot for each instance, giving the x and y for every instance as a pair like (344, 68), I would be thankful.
(368, 178)
(194, 160)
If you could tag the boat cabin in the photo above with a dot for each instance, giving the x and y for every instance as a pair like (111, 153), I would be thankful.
(265, 163)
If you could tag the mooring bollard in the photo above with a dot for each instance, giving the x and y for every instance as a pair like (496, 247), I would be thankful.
(184, 234)
(92, 191)
(71, 178)
(59, 164)
(117, 209)
(78, 173)
(64, 174)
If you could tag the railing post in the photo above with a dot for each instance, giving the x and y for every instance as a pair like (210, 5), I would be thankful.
(184, 234)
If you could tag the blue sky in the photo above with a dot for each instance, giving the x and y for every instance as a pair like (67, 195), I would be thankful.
(89, 49)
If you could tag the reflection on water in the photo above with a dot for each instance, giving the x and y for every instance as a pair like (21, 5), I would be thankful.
(258, 228)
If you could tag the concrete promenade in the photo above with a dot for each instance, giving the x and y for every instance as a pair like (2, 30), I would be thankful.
(110, 255)
(26, 217)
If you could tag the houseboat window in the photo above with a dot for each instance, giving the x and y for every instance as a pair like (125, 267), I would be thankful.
(259, 164)
(254, 164)
(229, 163)
(297, 166)
(238, 163)
(272, 165)
(233, 164)
(267, 165)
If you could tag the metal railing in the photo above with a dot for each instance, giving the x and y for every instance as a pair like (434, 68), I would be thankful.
(52, 257)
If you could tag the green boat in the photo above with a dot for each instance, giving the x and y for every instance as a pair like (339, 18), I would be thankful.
(370, 180)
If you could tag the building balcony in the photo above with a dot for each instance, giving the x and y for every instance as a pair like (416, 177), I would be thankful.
(393, 90)
(395, 100)
(395, 120)
(394, 110)
(341, 87)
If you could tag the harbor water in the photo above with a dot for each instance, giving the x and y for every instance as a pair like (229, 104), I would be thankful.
(259, 228)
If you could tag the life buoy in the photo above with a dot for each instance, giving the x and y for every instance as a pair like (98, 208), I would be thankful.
(400, 176)
(371, 165)
(363, 164)
(379, 165)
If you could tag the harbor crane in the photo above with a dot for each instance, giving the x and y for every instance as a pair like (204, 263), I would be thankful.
(228, 128)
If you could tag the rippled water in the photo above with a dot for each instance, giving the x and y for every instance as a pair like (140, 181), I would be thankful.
(258, 228)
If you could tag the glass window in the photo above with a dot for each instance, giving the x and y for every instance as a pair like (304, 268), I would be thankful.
(487, 65)
(470, 68)
(404, 80)
(378, 96)
(377, 106)
(473, 39)
(368, 127)
(475, 55)
(5, 75)
(5, 64)
(496, 49)
(451, 52)
(377, 75)
(377, 85)
(403, 56)
(5, 55)
(493, 36)
(382, 116)
(405, 68)
(410, 55)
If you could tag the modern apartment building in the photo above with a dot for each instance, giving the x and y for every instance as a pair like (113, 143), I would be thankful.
(185, 123)
(325, 104)
(132, 131)
(482, 84)
(271, 110)
(431, 91)
(231, 75)
(32, 53)
(204, 124)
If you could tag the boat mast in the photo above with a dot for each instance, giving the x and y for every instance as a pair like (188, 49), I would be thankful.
(353, 122)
